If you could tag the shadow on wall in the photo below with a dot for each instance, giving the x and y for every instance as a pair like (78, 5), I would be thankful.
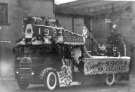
(6, 62)
(132, 55)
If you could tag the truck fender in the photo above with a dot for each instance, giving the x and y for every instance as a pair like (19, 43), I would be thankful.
(44, 71)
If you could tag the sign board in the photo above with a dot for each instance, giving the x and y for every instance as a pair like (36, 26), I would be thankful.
(104, 65)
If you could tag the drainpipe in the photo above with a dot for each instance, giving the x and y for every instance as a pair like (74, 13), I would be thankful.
(125, 49)
(72, 23)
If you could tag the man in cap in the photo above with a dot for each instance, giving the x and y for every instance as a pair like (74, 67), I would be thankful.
(116, 42)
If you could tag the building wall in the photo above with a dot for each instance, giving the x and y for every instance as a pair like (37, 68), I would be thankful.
(37, 7)
(17, 9)
(73, 23)
(78, 24)
(65, 21)
(101, 30)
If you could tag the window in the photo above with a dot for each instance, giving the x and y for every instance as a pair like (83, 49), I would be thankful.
(3, 13)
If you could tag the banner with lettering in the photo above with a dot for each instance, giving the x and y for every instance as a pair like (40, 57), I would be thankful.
(102, 65)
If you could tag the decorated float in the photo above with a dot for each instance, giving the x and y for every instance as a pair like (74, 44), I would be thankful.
(51, 55)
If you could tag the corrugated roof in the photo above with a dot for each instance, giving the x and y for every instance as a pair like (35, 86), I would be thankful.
(90, 7)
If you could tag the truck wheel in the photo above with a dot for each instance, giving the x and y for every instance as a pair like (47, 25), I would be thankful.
(23, 84)
(50, 80)
(110, 79)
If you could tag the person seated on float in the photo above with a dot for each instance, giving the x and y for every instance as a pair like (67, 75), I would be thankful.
(78, 59)
(57, 23)
(85, 36)
(101, 49)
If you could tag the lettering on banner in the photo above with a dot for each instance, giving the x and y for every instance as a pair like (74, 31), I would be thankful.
(105, 67)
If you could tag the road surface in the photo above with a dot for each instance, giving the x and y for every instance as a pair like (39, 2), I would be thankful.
(9, 85)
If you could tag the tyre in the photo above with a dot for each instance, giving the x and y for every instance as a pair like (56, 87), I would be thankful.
(110, 79)
(50, 80)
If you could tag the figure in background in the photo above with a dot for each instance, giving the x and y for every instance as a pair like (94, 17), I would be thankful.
(85, 36)
(84, 33)
(116, 43)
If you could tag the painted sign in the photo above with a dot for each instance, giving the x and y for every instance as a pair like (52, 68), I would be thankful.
(65, 75)
(101, 66)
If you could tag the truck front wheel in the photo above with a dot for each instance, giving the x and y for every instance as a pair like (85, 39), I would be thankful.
(110, 79)
(50, 80)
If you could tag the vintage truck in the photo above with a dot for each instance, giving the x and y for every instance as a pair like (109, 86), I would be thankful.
(51, 55)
